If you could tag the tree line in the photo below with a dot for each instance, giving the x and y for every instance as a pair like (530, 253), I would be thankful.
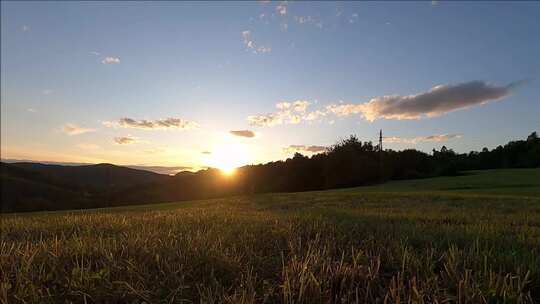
(348, 163)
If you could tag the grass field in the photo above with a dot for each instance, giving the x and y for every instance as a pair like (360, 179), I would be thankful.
(467, 239)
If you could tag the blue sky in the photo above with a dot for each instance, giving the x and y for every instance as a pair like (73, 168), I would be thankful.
(72, 71)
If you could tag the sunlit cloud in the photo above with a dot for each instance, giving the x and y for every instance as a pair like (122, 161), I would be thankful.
(305, 149)
(287, 113)
(125, 140)
(111, 60)
(251, 45)
(243, 133)
(419, 139)
(73, 129)
(438, 101)
(314, 116)
(159, 124)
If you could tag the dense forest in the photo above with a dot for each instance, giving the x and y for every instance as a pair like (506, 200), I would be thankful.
(348, 163)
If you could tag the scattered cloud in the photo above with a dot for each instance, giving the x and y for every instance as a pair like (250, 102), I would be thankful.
(438, 101)
(25, 28)
(125, 140)
(73, 129)
(243, 133)
(159, 124)
(95, 53)
(111, 60)
(353, 18)
(281, 9)
(251, 45)
(419, 139)
(308, 20)
(288, 113)
(305, 149)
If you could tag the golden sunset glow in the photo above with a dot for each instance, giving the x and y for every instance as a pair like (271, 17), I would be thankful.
(228, 157)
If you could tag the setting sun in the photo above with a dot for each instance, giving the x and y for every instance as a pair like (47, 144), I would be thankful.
(228, 157)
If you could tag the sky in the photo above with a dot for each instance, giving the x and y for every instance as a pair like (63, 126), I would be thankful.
(224, 84)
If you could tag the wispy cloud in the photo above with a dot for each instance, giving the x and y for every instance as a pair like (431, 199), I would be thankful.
(250, 44)
(159, 124)
(353, 18)
(95, 53)
(305, 149)
(308, 20)
(25, 28)
(419, 139)
(73, 129)
(31, 110)
(47, 92)
(111, 60)
(438, 101)
(125, 140)
(243, 133)
(287, 113)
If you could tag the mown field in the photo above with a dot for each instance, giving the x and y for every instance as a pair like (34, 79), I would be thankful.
(467, 239)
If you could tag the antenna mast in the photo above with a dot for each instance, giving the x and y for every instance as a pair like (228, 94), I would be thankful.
(380, 141)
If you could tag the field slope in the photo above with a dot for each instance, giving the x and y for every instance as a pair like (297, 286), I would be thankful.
(468, 239)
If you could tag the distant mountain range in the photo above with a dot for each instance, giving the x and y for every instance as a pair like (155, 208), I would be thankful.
(34, 186)
(169, 170)
(30, 186)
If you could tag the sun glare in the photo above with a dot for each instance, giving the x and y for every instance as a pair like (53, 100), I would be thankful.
(228, 157)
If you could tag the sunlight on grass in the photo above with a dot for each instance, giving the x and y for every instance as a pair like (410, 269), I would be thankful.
(352, 246)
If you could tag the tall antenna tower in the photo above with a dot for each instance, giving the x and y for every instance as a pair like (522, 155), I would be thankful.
(380, 141)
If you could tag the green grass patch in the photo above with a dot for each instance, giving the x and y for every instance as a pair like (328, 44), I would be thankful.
(468, 239)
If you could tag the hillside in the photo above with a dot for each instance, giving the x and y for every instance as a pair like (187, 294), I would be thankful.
(96, 177)
(420, 241)
(34, 186)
